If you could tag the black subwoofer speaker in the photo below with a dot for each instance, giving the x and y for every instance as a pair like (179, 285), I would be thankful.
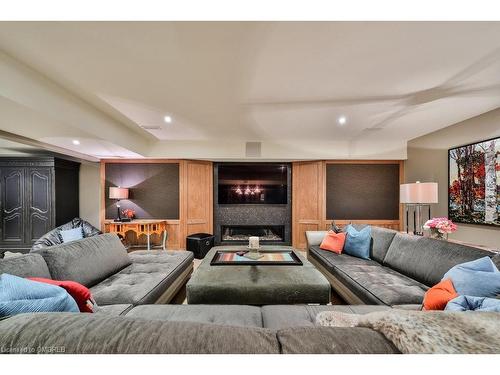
(200, 244)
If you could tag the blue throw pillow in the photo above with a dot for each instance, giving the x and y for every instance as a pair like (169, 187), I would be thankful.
(479, 278)
(71, 234)
(19, 295)
(358, 243)
(469, 303)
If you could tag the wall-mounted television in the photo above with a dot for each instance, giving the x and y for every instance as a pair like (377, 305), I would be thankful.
(252, 183)
(474, 183)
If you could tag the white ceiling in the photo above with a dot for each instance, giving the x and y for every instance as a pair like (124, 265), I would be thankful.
(283, 83)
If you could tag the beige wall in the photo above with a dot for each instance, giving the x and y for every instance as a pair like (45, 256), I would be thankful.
(428, 162)
(89, 192)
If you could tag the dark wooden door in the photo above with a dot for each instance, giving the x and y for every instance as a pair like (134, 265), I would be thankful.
(12, 199)
(39, 211)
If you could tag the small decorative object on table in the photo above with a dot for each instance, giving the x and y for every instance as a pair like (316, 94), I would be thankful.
(253, 244)
(439, 227)
(129, 214)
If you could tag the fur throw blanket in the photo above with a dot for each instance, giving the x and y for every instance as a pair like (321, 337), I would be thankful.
(418, 332)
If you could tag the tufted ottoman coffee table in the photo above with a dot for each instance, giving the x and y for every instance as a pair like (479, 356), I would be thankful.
(257, 284)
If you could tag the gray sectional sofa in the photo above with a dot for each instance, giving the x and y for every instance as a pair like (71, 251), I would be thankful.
(113, 276)
(401, 269)
(191, 329)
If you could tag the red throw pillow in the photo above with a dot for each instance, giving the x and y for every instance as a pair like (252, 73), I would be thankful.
(80, 293)
(439, 295)
(333, 242)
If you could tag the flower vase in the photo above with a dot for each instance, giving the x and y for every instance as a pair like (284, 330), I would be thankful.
(436, 234)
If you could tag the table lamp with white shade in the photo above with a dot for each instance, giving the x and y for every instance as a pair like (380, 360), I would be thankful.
(118, 193)
(416, 196)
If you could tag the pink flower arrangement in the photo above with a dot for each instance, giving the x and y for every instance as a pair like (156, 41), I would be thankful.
(440, 224)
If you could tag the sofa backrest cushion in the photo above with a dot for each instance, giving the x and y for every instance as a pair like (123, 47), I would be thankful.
(427, 260)
(28, 265)
(87, 261)
(382, 239)
(333, 340)
(95, 333)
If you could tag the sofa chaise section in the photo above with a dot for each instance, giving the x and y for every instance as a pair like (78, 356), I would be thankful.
(154, 276)
(102, 264)
(401, 269)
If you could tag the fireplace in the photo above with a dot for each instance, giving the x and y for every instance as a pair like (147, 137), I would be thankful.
(252, 199)
(241, 233)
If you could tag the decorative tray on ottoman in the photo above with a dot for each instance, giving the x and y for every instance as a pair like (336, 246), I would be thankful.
(266, 258)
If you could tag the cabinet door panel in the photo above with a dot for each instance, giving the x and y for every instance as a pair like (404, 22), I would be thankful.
(40, 219)
(12, 185)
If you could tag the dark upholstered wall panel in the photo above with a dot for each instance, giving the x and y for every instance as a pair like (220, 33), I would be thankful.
(362, 191)
(154, 189)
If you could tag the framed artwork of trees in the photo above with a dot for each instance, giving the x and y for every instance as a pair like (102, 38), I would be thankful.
(474, 183)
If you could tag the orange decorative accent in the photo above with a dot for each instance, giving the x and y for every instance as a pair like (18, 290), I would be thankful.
(439, 295)
(333, 242)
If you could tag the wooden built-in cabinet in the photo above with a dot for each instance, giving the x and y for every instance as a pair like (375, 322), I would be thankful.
(310, 191)
(308, 208)
(197, 198)
(195, 201)
(309, 197)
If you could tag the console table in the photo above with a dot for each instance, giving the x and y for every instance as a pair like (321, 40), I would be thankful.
(146, 227)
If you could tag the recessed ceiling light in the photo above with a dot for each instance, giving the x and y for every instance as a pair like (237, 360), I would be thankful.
(76, 142)
(342, 120)
(167, 119)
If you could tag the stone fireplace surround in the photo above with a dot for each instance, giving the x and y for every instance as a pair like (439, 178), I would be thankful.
(253, 214)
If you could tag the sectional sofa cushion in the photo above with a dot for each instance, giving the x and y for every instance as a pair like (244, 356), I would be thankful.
(87, 261)
(95, 333)
(381, 240)
(329, 259)
(28, 265)
(19, 295)
(287, 316)
(380, 285)
(232, 315)
(114, 310)
(369, 280)
(334, 340)
(427, 260)
(145, 280)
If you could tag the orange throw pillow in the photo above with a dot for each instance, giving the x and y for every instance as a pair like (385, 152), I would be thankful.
(333, 242)
(439, 295)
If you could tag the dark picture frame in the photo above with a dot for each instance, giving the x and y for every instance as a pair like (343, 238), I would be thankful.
(474, 183)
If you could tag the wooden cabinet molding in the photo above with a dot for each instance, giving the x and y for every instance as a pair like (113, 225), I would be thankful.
(308, 204)
(195, 198)
(309, 198)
